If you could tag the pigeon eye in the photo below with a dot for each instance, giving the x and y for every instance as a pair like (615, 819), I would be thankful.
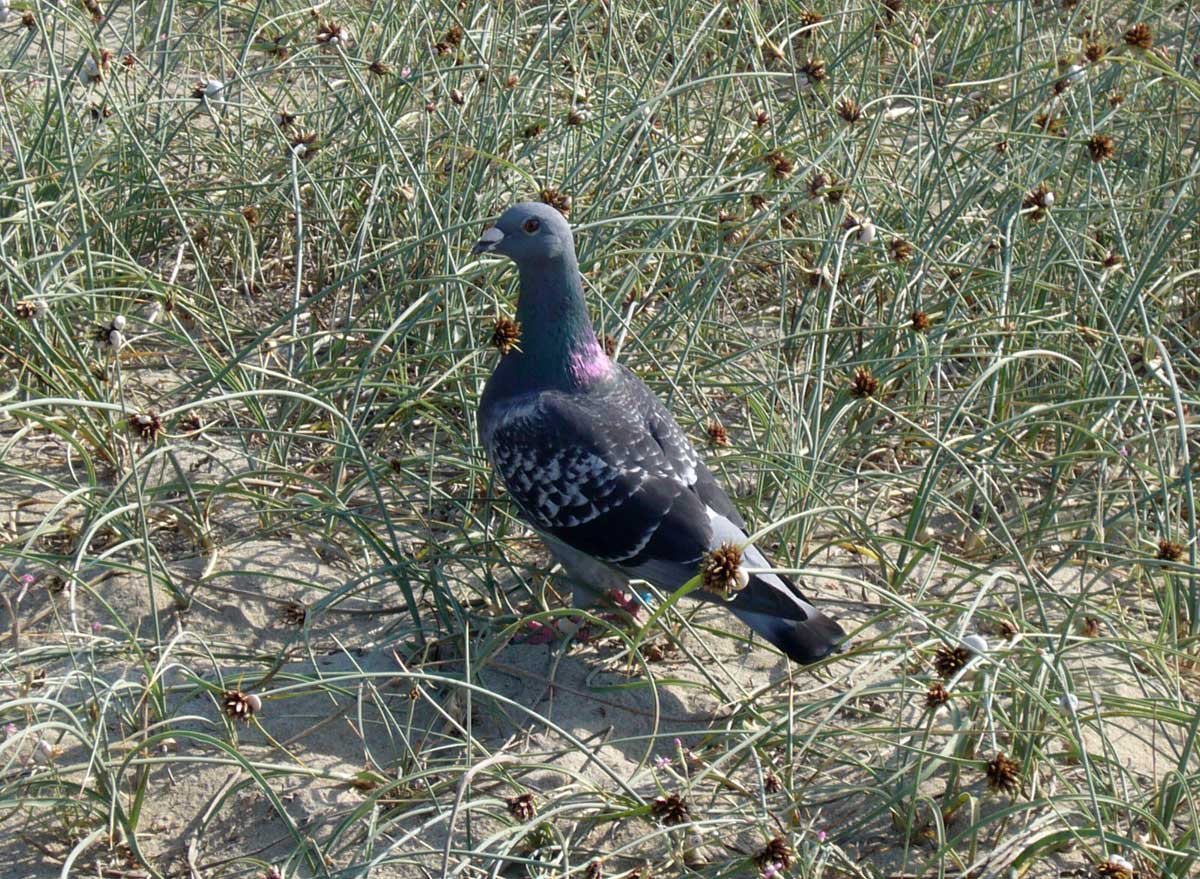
(531, 225)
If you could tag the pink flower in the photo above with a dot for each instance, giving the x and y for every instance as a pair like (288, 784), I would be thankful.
(96, 627)
(661, 762)
(678, 742)
(10, 730)
(27, 579)
(822, 836)
(405, 72)
(626, 602)
(772, 870)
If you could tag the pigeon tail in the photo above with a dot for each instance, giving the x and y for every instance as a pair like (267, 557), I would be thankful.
(802, 641)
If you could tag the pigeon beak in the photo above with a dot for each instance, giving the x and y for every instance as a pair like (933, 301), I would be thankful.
(489, 241)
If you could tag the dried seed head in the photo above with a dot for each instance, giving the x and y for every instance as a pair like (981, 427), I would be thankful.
(457, 97)
(721, 570)
(379, 67)
(818, 184)
(1093, 52)
(532, 130)
(522, 807)
(293, 613)
(670, 809)
(1051, 124)
(936, 696)
(1001, 147)
(863, 384)
(147, 425)
(920, 321)
(512, 81)
(1112, 260)
(250, 214)
(578, 115)
(892, 10)
(1089, 627)
(609, 343)
(949, 661)
(900, 250)
(239, 705)
(560, 201)
(717, 434)
(506, 335)
(1005, 629)
(1038, 201)
(813, 71)
(453, 37)
(850, 110)
(1101, 147)
(31, 309)
(1115, 867)
(330, 33)
(777, 851)
(772, 784)
(305, 145)
(595, 870)
(810, 18)
(1140, 36)
(1169, 551)
(284, 119)
(781, 166)
(1004, 774)
(761, 118)
(28, 20)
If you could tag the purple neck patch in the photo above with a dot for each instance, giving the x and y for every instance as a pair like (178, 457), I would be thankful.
(589, 364)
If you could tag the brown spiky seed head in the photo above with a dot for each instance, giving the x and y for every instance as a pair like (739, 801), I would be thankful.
(609, 343)
(717, 434)
(1089, 627)
(817, 186)
(1115, 867)
(721, 569)
(306, 144)
(1112, 260)
(331, 32)
(1101, 147)
(1052, 125)
(863, 384)
(936, 696)
(777, 851)
(380, 67)
(1168, 551)
(814, 69)
(532, 130)
(920, 321)
(28, 20)
(900, 250)
(27, 309)
(239, 705)
(560, 201)
(670, 809)
(1093, 52)
(147, 425)
(506, 335)
(772, 784)
(293, 613)
(761, 118)
(781, 166)
(850, 110)
(1140, 36)
(1004, 774)
(949, 661)
(285, 119)
(1038, 201)
(810, 17)
(522, 806)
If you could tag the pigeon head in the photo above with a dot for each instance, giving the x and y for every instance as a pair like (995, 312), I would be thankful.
(530, 234)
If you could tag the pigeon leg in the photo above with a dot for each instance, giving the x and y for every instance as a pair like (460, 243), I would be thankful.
(590, 579)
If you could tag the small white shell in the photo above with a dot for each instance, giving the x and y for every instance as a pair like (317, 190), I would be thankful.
(975, 643)
(116, 338)
(213, 87)
(254, 702)
(741, 579)
(90, 72)
(1048, 199)
(118, 322)
(1068, 702)
(866, 232)
(1119, 862)
(1075, 73)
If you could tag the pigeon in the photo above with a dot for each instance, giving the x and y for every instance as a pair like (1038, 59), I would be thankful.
(599, 468)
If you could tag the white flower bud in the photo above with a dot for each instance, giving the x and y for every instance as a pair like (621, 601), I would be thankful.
(118, 322)
(115, 339)
(1048, 199)
(254, 702)
(866, 232)
(975, 643)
